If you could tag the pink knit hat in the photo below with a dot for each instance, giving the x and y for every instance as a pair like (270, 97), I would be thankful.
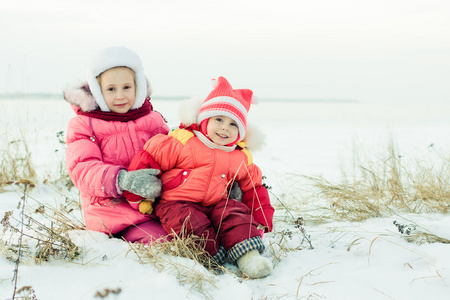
(224, 101)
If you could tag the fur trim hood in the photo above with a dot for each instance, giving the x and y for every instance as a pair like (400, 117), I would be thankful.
(190, 108)
(112, 57)
(80, 95)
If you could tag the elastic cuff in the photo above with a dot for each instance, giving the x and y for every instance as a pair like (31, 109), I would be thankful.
(219, 257)
(134, 205)
(254, 243)
(111, 181)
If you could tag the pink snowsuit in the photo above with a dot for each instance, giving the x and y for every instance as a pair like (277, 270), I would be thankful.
(97, 149)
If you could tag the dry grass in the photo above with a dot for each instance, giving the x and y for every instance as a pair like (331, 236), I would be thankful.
(423, 237)
(16, 162)
(44, 227)
(415, 233)
(25, 293)
(62, 176)
(163, 256)
(33, 241)
(283, 242)
(383, 187)
(41, 242)
(43, 231)
(200, 273)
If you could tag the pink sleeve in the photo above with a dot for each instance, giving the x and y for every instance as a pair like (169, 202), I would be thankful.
(84, 163)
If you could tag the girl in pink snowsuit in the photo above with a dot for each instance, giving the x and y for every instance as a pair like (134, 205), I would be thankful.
(199, 163)
(114, 118)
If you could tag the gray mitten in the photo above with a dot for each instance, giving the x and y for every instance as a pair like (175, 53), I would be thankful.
(235, 192)
(140, 182)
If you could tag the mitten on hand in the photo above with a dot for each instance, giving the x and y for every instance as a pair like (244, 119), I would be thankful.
(145, 206)
(140, 182)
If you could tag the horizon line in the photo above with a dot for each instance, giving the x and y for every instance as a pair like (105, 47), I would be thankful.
(175, 98)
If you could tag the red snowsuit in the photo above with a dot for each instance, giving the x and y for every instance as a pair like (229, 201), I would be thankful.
(195, 182)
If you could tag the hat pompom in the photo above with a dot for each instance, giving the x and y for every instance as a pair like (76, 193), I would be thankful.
(255, 100)
(189, 110)
(214, 83)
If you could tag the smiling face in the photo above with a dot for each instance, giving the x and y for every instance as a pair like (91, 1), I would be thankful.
(222, 130)
(118, 88)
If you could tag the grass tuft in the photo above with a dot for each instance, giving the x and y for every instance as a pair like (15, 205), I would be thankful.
(40, 235)
(16, 165)
(164, 256)
(385, 186)
(415, 233)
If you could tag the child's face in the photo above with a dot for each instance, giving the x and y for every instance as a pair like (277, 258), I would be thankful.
(118, 89)
(222, 130)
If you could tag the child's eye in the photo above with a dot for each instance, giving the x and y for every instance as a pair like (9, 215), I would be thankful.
(219, 119)
(127, 87)
(110, 89)
(234, 124)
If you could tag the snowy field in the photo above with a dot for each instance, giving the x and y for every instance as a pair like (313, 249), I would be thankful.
(359, 260)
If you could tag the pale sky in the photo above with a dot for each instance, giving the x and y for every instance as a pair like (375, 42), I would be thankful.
(363, 50)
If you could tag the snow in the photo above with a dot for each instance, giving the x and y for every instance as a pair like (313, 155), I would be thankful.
(349, 260)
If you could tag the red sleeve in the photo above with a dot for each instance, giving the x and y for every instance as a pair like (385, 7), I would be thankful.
(258, 201)
(142, 160)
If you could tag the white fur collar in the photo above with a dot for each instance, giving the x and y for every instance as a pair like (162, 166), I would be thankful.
(80, 95)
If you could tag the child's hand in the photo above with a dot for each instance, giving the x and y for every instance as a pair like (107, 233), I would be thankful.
(145, 206)
(140, 182)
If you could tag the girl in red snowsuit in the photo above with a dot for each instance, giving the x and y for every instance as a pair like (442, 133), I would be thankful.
(199, 163)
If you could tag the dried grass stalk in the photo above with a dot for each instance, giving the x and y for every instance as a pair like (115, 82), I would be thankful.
(385, 187)
(163, 256)
(43, 240)
(16, 162)
(281, 243)
(415, 233)
(421, 237)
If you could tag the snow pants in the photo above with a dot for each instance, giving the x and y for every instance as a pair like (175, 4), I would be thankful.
(226, 224)
(147, 232)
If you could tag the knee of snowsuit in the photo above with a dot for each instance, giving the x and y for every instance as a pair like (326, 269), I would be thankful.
(227, 223)
(147, 232)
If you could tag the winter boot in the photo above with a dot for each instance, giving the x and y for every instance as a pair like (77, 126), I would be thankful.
(254, 265)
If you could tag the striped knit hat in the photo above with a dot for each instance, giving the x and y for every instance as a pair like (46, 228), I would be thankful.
(224, 101)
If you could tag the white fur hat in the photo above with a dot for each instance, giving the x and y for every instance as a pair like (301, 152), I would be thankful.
(111, 57)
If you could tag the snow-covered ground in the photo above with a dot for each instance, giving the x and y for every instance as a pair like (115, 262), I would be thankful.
(358, 260)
